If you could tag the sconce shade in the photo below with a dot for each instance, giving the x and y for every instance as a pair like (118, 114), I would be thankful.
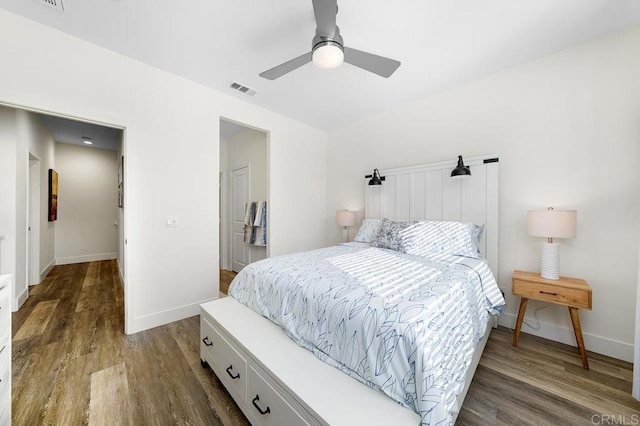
(345, 218)
(461, 170)
(375, 180)
(552, 223)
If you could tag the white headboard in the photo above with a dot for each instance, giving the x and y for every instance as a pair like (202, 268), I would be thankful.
(427, 192)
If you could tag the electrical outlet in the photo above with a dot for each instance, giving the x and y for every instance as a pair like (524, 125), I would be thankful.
(171, 221)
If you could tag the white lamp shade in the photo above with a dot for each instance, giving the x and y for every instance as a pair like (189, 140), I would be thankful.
(345, 218)
(552, 223)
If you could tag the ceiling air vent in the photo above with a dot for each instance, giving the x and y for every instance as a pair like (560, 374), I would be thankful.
(55, 4)
(243, 89)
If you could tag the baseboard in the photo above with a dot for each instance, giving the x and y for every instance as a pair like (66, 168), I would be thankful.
(47, 269)
(592, 342)
(121, 273)
(86, 258)
(19, 301)
(146, 322)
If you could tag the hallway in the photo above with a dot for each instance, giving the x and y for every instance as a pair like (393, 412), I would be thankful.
(73, 364)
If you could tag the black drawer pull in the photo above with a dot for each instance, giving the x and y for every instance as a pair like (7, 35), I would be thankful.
(206, 341)
(237, 376)
(257, 398)
(549, 293)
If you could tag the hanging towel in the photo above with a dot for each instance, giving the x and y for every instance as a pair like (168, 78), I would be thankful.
(247, 215)
(260, 224)
(259, 207)
(249, 219)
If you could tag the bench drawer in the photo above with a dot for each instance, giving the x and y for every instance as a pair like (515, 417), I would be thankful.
(269, 408)
(226, 362)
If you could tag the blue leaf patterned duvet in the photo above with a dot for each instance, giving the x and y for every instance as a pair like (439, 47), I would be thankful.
(404, 325)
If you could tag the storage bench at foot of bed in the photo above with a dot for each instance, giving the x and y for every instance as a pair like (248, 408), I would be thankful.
(276, 382)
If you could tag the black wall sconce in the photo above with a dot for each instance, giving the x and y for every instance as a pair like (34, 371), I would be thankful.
(376, 179)
(461, 170)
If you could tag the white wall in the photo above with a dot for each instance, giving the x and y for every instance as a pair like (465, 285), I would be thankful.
(87, 204)
(22, 133)
(172, 152)
(566, 129)
(35, 138)
(8, 161)
(248, 147)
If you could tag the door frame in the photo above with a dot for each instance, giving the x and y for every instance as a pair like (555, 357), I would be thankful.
(636, 361)
(33, 220)
(230, 208)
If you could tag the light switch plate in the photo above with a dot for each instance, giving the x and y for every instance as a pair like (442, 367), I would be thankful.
(171, 221)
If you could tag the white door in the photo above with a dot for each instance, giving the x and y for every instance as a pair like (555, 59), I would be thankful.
(33, 222)
(240, 184)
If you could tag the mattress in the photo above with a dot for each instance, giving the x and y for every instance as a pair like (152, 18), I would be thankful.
(403, 325)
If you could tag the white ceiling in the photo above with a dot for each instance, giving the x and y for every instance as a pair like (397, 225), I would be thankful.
(73, 132)
(441, 43)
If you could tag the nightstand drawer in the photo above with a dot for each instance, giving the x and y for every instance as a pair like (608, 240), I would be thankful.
(552, 293)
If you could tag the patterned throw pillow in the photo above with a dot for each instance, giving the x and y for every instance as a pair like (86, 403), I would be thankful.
(368, 230)
(393, 235)
(432, 237)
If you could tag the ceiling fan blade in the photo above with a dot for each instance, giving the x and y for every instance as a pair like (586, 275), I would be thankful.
(380, 65)
(287, 67)
(325, 12)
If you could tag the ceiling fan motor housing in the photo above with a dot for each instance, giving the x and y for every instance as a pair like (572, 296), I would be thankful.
(324, 40)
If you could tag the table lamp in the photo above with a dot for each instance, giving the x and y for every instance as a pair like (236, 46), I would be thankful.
(551, 224)
(345, 218)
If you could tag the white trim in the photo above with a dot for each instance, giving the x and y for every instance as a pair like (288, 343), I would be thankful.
(156, 319)
(19, 301)
(47, 269)
(120, 273)
(636, 363)
(593, 343)
(86, 258)
(33, 220)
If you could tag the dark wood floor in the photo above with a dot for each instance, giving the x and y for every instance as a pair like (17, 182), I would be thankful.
(72, 364)
(225, 280)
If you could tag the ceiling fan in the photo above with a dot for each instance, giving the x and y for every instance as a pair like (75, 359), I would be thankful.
(328, 50)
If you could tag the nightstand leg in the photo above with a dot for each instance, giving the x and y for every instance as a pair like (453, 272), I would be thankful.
(523, 308)
(575, 319)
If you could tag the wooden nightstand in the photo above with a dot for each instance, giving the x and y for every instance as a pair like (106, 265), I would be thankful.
(572, 292)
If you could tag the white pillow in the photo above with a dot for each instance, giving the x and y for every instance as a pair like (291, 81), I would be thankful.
(433, 237)
(368, 230)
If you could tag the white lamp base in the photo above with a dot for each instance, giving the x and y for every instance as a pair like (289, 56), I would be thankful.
(345, 235)
(550, 268)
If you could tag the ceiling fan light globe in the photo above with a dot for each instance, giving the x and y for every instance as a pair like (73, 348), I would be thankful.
(328, 55)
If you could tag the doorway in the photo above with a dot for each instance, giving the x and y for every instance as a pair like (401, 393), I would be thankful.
(244, 182)
(38, 144)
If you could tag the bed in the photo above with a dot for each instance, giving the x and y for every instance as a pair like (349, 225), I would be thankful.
(402, 319)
